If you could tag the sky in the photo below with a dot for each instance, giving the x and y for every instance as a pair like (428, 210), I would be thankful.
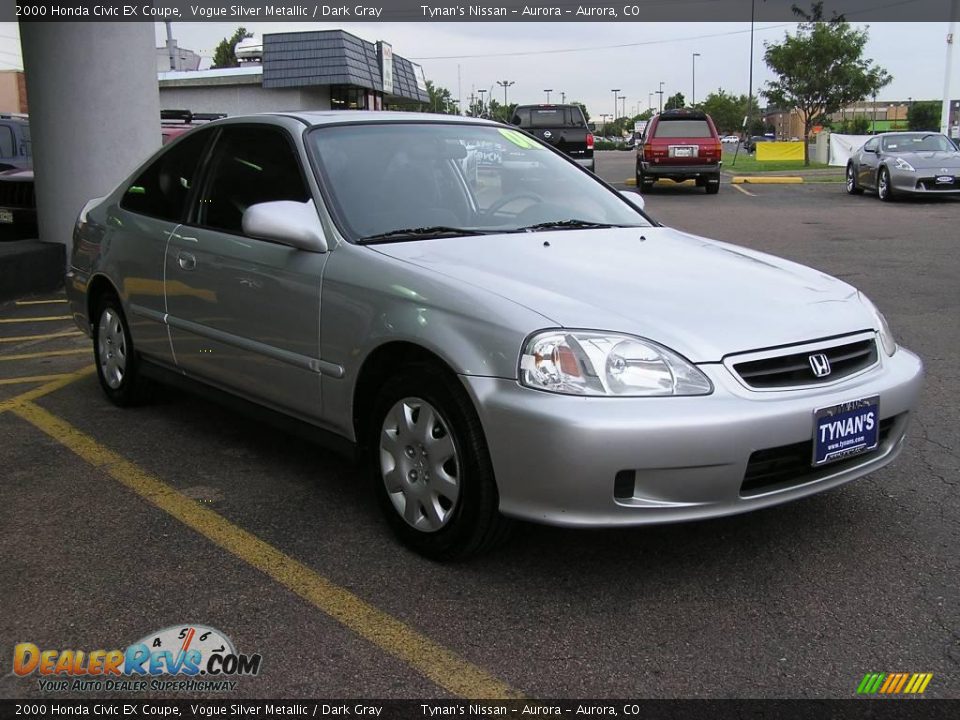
(914, 53)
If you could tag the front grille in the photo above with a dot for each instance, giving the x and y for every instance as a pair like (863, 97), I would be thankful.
(795, 369)
(932, 185)
(17, 194)
(790, 464)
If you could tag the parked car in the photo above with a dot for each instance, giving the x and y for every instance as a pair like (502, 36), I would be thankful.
(549, 354)
(680, 145)
(18, 206)
(914, 163)
(18, 211)
(730, 139)
(561, 126)
(750, 144)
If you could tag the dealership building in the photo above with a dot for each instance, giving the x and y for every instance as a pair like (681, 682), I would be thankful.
(315, 70)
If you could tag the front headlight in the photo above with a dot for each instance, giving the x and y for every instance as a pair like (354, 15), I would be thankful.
(902, 164)
(883, 329)
(585, 362)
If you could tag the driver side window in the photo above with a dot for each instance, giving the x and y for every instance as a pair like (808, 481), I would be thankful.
(249, 165)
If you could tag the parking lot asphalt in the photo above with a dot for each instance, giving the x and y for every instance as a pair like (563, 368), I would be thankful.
(121, 522)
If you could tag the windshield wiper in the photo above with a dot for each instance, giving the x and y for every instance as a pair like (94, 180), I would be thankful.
(572, 224)
(433, 231)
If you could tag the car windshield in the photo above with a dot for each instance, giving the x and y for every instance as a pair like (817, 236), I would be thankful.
(933, 142)
(403, 180)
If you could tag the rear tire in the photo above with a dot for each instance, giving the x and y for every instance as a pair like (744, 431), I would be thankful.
(117, 361)
(852, 187)
(644, 183)
(713, 184)
(431, 468)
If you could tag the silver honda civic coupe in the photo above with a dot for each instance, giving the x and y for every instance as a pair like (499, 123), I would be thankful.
(508, 342)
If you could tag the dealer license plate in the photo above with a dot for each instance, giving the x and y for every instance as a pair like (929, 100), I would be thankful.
(944, 179)
(845, 430)
(6, 216)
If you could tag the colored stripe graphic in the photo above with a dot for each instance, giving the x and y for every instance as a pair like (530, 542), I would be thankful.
(894, 683)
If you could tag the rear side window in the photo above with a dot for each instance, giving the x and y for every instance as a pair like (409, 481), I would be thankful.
(683, 129)
(249, 165)
(7, 144)
(161, 190)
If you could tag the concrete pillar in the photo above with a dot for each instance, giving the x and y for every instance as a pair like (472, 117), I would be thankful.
(94, 112)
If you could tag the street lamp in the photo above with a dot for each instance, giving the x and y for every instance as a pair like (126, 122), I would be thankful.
(623, 106)
(615, 91)
(563, 98)
(660, 93)
(483, 107)
(505, 84)
(548, 91)
(693, 101)
(650, 99)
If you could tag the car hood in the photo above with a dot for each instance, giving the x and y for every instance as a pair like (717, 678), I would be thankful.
(702, 298)
(928, 160)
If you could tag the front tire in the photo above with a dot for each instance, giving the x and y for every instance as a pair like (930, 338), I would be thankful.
(431, 468)
(884, 188)
(118, 365)
(852, 187)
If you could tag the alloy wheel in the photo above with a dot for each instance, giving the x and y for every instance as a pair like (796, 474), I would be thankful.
(112, 348)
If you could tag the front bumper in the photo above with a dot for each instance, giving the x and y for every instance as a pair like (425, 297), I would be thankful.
(923, 182)
(564, 460)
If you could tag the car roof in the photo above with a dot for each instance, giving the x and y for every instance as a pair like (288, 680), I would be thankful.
(330, 117)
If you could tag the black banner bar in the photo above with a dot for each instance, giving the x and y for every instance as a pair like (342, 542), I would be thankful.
(855, 709)
(486, 11)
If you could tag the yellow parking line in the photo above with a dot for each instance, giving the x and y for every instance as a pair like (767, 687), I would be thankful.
(49, 336)
(35, 319)
(46, 389)
(432, 660)
(48, 353)
(34, 378)
(39, 302)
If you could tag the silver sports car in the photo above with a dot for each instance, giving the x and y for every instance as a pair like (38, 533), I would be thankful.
(516, 342)
(905, 163)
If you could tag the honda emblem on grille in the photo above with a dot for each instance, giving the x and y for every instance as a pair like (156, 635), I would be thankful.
(820, 364)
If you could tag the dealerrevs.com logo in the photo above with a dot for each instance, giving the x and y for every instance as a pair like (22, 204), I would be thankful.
(187, 658)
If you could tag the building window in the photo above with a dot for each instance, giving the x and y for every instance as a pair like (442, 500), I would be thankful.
(347, 97)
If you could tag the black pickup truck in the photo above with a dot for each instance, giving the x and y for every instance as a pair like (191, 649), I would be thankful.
(562, 126)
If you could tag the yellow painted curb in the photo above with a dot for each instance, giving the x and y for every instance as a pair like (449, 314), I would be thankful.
(772, 180)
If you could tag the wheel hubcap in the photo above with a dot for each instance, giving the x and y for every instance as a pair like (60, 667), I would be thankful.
(419, 464)
(849, 178)
(112, 348)
(883, 185)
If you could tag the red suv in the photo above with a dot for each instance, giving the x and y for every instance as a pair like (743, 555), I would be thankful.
(680, 145)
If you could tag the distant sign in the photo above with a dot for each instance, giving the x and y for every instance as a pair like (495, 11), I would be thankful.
(639, 126)
(419, 76)
(385, 50)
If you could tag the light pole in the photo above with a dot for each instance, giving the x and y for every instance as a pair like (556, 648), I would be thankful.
(693, 100)
(623, 106)
(483, 107)
(650, 99)
(563, 98)
(615, 91)
(505, 84)
(548, 91)
(660, 93)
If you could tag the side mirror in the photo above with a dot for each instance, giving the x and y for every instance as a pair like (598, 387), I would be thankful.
(635, 199)
(287, 222)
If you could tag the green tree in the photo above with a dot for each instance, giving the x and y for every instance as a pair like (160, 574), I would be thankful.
(821, 69)
(225, 55)
(675, 102)
(728, 110)
(856, 125)
(924, 115)
(441, 101)
(499, 111)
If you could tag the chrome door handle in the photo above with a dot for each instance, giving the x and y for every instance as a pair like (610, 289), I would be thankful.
(186, 260)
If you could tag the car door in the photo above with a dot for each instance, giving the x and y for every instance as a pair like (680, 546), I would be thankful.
(867, 162)
(244, 313)
(151, 209)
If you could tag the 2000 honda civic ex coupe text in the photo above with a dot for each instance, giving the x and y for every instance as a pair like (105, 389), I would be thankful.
(500, 340)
